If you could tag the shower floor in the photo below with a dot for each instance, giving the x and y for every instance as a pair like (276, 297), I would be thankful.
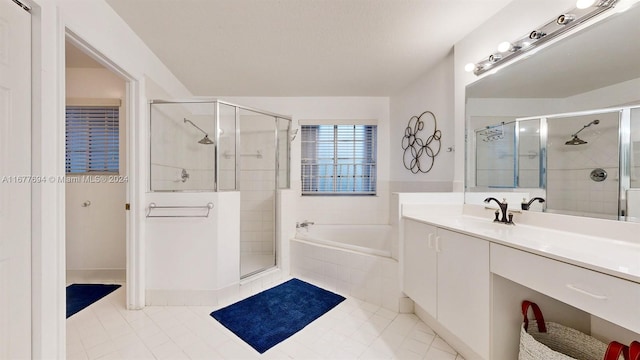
(252, 262)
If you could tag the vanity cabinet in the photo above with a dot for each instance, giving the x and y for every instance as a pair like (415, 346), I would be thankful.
(447, 274)
(610, 298)
(420, 266)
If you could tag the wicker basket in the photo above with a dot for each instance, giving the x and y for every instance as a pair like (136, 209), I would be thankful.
(540, 340)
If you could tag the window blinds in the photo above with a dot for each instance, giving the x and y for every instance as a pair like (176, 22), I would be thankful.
(339, 159)
(92, 139)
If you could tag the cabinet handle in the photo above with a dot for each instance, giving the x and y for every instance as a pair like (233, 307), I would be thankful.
(430, 241)
(438, 244)
(585, 292)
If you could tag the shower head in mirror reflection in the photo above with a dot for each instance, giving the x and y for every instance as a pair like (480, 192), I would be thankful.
(205, 140)
(492, 132)
(575, 139)
(293, 134)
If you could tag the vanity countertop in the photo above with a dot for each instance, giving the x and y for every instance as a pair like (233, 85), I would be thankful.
(609, 256)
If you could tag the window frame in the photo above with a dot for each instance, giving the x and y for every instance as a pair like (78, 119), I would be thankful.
(114, 104)
(367, 161)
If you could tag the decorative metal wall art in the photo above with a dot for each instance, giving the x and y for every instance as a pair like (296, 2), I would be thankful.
(421, 146)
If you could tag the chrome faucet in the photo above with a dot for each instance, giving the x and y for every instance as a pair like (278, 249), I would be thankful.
(506, 218)
(525, 205)
(305, 224)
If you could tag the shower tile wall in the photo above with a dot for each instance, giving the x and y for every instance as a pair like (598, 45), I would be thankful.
(257, 185)
(494, 158)
(635, 148)
(569, 186)
(174, 146)
(529, 154)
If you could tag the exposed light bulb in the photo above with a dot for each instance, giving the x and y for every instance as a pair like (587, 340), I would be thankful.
(583, 4)
(504, 46)
(469, 67)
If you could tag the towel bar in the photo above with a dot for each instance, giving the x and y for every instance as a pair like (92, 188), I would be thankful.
(153, 206)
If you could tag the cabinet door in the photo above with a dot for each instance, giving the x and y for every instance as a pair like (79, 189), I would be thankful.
(463, 288)
(419, 264)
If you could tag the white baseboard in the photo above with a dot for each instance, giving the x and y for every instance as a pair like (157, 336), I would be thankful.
(96, 276)
(220, 297)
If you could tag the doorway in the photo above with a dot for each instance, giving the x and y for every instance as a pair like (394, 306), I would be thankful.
(96, 172)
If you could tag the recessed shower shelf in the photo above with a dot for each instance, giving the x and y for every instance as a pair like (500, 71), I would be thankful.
(153, 207)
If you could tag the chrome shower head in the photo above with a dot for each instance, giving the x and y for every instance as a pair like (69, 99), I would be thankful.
(205, 140)
(575, 139)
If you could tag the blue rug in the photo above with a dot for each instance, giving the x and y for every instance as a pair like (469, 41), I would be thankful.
(265, 319)
(79, 296)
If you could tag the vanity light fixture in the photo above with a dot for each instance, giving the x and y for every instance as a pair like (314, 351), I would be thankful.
(469, 67)
(506, 46)
(494, 58)
(564, 19)
(584, 11)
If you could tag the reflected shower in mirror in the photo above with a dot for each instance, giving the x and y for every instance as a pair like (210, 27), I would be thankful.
(590, 75)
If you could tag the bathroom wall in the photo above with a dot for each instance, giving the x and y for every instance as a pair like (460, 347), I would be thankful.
(193, 260)
(432, 91)
(95, 234)
(334, 209)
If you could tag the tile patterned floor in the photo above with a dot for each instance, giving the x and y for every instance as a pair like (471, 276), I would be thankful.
(352, 330)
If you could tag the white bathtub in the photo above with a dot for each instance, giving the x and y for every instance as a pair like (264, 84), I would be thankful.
(353, 260)
(366, 239)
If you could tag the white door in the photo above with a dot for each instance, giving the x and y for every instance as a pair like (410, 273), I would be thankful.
(15, 184)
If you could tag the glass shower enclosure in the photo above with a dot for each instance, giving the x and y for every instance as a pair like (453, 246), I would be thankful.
(208, 145)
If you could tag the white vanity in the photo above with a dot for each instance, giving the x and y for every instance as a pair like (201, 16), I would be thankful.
(467, 274)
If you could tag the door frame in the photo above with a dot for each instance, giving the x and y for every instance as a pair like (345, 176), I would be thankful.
(134, 187)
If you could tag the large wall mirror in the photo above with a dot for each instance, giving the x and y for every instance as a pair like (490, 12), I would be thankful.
(562, 124)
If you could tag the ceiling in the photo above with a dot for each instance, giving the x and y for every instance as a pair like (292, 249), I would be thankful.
(302, 47)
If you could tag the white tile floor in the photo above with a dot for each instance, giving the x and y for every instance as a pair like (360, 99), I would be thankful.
(352, 330)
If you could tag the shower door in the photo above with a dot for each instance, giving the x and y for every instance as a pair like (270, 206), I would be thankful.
(257, 184)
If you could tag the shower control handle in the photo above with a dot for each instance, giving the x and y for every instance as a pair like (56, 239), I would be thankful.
(598, 175)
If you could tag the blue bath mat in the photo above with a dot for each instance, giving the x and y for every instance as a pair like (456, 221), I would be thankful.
(79, 296)
(265, 319)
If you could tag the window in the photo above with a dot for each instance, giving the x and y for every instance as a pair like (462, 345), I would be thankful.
(339, 159)
(92, 139)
